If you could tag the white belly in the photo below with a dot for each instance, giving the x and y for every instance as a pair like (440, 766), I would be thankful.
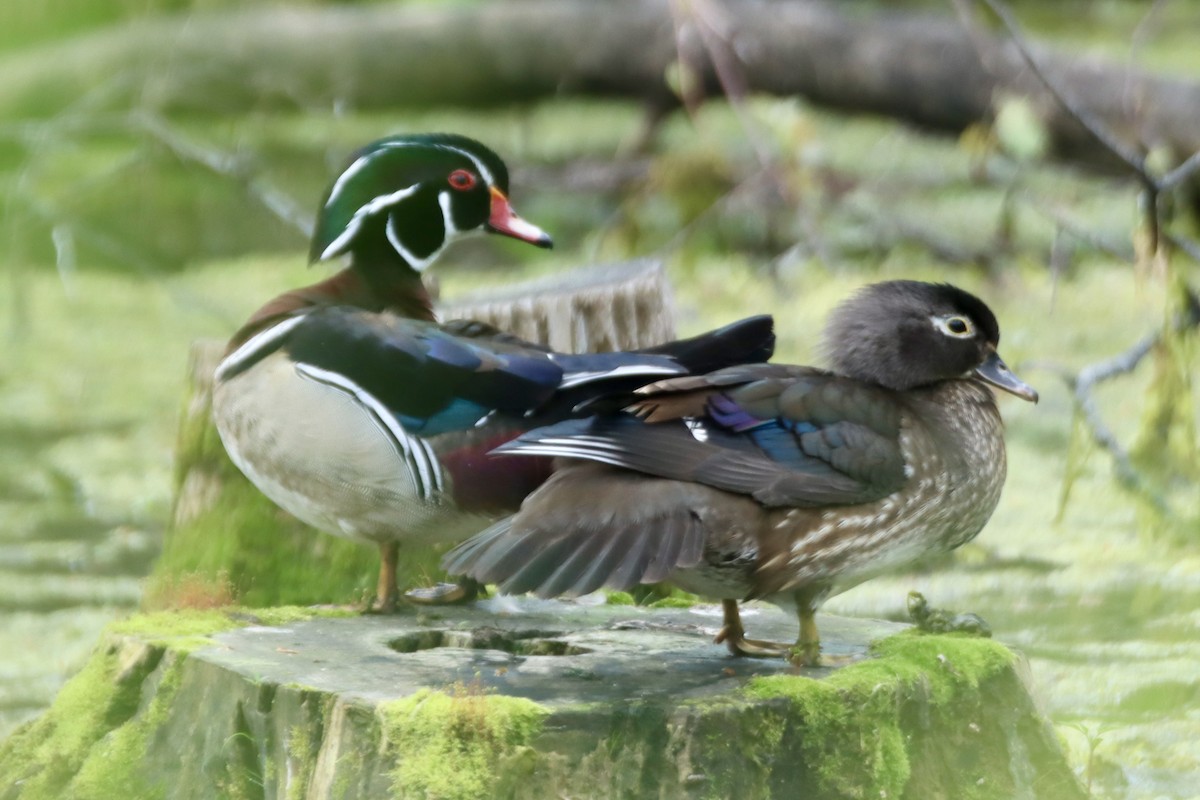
(317, 452)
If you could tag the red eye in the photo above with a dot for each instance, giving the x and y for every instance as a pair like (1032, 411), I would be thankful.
(462, 180)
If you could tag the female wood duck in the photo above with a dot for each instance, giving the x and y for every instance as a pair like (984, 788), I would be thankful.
(772, 481)
(347, 405)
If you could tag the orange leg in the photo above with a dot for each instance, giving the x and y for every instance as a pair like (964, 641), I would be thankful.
(387, 595)
(734, 636)
(807, 652)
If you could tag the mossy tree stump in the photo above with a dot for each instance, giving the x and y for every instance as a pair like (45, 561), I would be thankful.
(228, 543)
(532, 699)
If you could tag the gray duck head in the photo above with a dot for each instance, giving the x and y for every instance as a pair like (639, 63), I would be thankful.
(908, 334)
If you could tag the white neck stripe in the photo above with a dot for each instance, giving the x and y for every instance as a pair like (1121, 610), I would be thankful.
(374, 206)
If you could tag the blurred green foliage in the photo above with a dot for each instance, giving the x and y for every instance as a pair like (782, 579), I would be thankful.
(26, 24)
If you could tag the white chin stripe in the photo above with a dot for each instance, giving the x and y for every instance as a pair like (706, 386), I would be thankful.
(419, 264)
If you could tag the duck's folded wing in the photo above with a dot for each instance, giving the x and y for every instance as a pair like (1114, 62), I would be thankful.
(814, 441)
(429, 379)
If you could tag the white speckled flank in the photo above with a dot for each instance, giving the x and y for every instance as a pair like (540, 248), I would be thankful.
(957, 486)
(955, 463)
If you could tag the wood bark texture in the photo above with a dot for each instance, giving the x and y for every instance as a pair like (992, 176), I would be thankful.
(916, 67)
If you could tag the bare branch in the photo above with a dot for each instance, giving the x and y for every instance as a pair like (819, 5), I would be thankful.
(1180, 174)
(1083, 383)
(1127, 475)
(228, 166)
(715, 30)
(1133, 160)
(1118, 250)
(1183, 243)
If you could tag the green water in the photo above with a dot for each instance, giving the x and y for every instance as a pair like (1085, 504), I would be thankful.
(93, 362)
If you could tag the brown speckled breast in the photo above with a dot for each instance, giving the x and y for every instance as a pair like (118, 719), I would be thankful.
(953, 444)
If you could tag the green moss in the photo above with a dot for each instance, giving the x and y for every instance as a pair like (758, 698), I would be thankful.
(47, 753)
(286, 615)
(678, 600)
(934, 673)
(90, 742)
(168, 627)
(962, 660)
(657, 596)
(188, 629)
(740, 744)
(113, 766)
(265, 556)
(300, 749)
(269, 557)
(458, 744)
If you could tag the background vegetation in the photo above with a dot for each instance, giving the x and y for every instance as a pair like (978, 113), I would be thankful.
(129, 231)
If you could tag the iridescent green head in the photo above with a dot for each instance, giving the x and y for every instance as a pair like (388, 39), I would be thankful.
(412, 195)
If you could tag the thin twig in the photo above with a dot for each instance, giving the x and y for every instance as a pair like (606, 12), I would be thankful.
(229, 166)
(1130, 93)
(1180, 174)
(1081, 385)
(891, 228)
(1082, 116)
(1154, 186)
(713, 29)
(1085, 381)
(742, 187)
(1185, 244)
(1143, 30)
(1077, 230)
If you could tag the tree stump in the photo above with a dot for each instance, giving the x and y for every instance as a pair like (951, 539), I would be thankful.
(520, 698)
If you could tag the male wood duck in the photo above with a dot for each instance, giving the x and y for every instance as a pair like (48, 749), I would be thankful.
(349, 406)
(773, 481)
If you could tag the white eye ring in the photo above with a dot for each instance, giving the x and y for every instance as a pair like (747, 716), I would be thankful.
(955, 325)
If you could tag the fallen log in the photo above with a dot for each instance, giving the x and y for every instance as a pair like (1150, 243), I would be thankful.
(917, 67)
